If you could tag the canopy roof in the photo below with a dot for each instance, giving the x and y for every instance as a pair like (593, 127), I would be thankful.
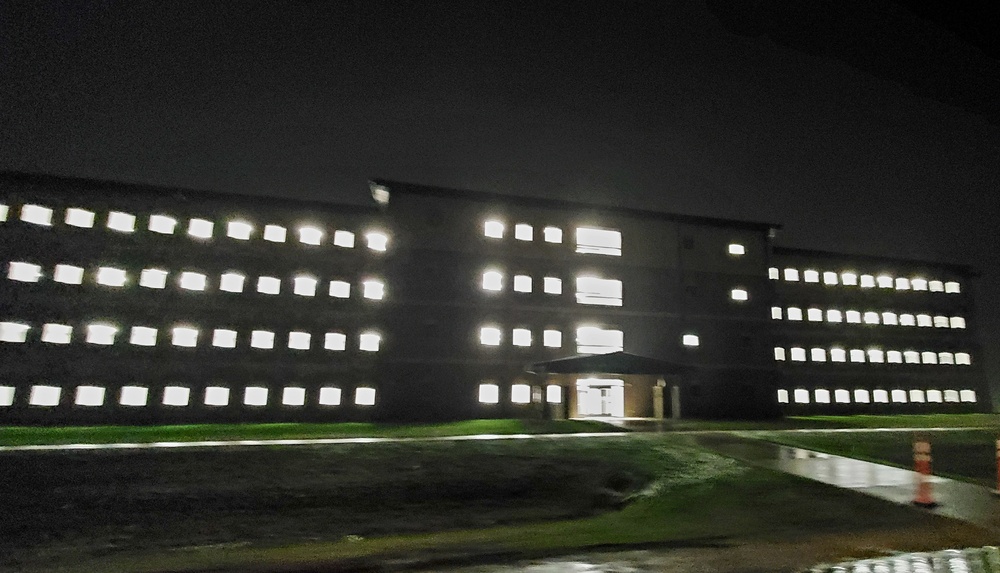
(612, 363)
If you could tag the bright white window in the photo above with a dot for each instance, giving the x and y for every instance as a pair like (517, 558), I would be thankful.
(314, 236)
(817, 354)
(952, 287)
(776, 313)
(6, 395)
(68, 274)
(100, 333)
(946, 358)
(489, 394)
(293, 396)
(598, 241)
(44, 395)
(918, 284)
(894, 357)
(37, 215)
(842, 396)
(121, 222)
(184, 336)
(884, 281)
(520, 394)
(373, 289)
(798, 354)
(82, 218)
(493, 229)
(269, 285)
(522, 283)
(857, 355)
(298, 340)
(255, 396)
(791, 274)
(737, 249)
(911, 357)
(830, 278)
(941, 322)
(814, 315)
(782, 396)
(133, 396)
(838, 354)
(523, 232)
(810, 276)
(779, 353)
(552, 338)
(142, 336)
(907, 320)
(263, 339)
(162, 224)
(852, 317)
(773, 273)
(552, 234)
(553, 394)
(934, 396)
(861, 396)
(335, 341)
(963, 358)
(89, 396)
(801, 396)
(794, 313)
(880, 396)
(340, 289)
(552, 285)
(867, 281)
(924, 320)
(176, 396)
(13, 332)
(889, 318)
(596, 340)
(899, 396)
(3, 212)
(936, 286)
(598, 291)
(24, 272)
(369, 341)
(304, 285)
(871, 318)
(956, 322)
(275, 233)
(364, 396)
(927, 357)
(343, 239)
(240, 230)
(216, 396)
(876, 356)
(224, 338)
(231, 282)
(192, 281)
(821, 395)
(329, 396)
(834, 315)
(110, 276)
(57, 333)
(967, 395)
(200, 228)
(377, 241)
(153, 278)
(493, 281)
(849, 279)
(902, 283)
(738, 294)
(521, 337)
(690, 340)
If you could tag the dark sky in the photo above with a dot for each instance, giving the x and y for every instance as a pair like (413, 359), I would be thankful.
(861, 126)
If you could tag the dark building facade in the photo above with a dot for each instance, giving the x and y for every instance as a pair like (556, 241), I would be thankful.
(127, 303)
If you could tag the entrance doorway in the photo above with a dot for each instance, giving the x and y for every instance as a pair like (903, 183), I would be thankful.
(600, 397)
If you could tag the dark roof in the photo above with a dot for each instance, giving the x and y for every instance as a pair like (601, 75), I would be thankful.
(484, 197)
(612, 363)
(873, 259)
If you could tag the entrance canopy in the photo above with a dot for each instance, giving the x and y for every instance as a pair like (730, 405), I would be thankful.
(612, 363)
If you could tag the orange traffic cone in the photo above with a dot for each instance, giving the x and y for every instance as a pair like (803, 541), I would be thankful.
(922, 465)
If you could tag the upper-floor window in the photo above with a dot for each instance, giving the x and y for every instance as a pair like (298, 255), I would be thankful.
(739, 294)
(493, 281)
(224, 338)
(192, 281)
(902, 283)
(884, 281)
(240, 230)
(791, 274)
(523, 232)
(794, 313)
(162, 224)
(24, 272)
(952, 287)
(490, 336)
(810, 276)
(304, 285)
(493, 229)
(343, 239)
(153, 278)
(867, 281)
(690, 340)
(82, 218)
(936, 286)
(737, 249)
(773, 273)
(597, 340)
(957, 322)
(377, 241)
(598, 241)
(849, 279)
(594, 290)
(231, 282)
(373, 289)
(830, 278)
(68, 274)
(314, 236)
(814, 315)
(110, 276)
(833, 315)
(552, 235)
(552, 285)
(918, 284)
(522, 283)
(200, 228)
(275, 233)
(121, 222)
(37, 215)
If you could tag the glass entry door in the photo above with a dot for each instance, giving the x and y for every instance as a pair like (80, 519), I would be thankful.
(600, 397)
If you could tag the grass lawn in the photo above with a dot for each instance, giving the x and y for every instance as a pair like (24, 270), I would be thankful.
(184, 510)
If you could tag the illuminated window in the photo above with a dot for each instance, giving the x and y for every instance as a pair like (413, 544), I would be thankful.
(255, 396)
(493, 229)
(817, 355)
(521, 337)
(880, 396)
(553, 394)
(162, 224)
(946, 358)
(598, 241)
(898, 396)
(489, 394)
(552, 338)
(852, 317)
(814, 315)
(884, 281)
(552, 285)
(523, 232)
(298, 340)
(830, 278)
(263, 339)
(224, 338)
(121, 222)
(894, 357)
(520, 394)
(184, 336)
(522, 283)
(871, 318)
(690, 340)
(200, 228)
(833, 315)
(956, 322)
(142, 336)
(936, 286)
(934, 396)
(782, 396)
(231, 282)
(738, 294)
(907, 320)
(340, 289)
(133, 396)
(849, 279)
(335, 341)
(216, 396)
(889, 318)
(68, 274)
(6, 395)
(377, 241)
(373, 289)
(967, 395)
(941, 322)
(924, 320)
(153, 278)
(596, 340)
(57, 333)
(369, 341)
(952, 287)
(13, 332)
(737, 249)
(493, 281)
(3, 212)
(861, 396)
(928, 357)
(314, 236)
(37, 215)
(779, 353)
(269, 285)
(598, 291)
(798, 354)
(304, 285)
(44, 395)
(857, 355)
(918, 284)
(838, 354)
(343, 239)
(552, 234)
(275, 233)
(99, 333)
(773, 273)
(911, 357)
(89, 396)
(364, 396)
(794, 313)
(876, 356)
(24, 272)
(963, 358)
(791, 274)
(951, 396)
(192, 281)
(822, 395)
(776, 313)
(810, 276)
(867, 281)
(176, 396)
(240, 230)
(902, 283)
(801, 396)
(110, 276)
(293, 396)
(329, 396)
(79, 218)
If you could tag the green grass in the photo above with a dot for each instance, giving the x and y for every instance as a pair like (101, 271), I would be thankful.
(903, 421)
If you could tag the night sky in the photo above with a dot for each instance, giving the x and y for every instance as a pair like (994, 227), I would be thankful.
(866, 127)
